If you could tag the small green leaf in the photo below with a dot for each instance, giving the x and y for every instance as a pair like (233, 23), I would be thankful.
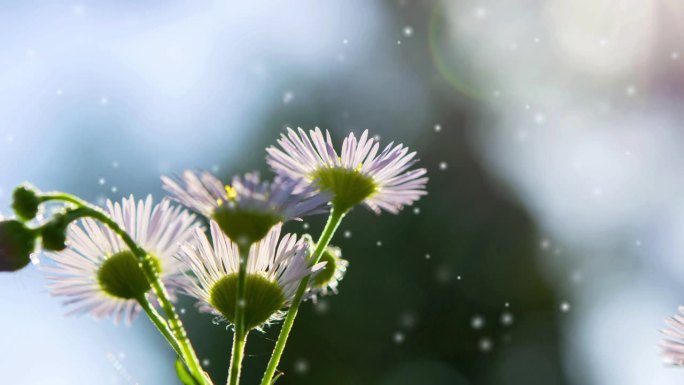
(276, 377)
(184, 375)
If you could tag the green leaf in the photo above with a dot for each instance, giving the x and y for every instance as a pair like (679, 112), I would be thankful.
(184, 375)
(276, 377)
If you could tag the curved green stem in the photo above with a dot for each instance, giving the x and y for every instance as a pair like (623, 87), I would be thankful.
(334, 220)
(60, 196)
(149, 267)
(240, 335)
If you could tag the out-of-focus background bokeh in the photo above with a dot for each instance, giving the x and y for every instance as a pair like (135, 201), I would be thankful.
(549, 248)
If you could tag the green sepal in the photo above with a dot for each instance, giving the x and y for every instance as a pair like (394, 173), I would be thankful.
(121, 276)
(184, 375)
(349, 187)
(263, 298)
(244, 227)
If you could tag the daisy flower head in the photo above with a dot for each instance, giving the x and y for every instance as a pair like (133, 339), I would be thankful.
(328, 279)
(249, 207)
(673, 343)
(361, 173)
(274, 268)
(98, 274)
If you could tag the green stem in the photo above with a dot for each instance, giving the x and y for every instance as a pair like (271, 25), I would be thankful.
(240, 334)
(59, 196)
(334, 220)
(239, 342)
(160, 323)
(149, 267)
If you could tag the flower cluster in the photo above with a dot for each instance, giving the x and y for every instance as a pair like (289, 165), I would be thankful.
(134, 255)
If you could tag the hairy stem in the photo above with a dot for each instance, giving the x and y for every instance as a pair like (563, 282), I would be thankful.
(334, 220)
(239, 342)
(148, 266)
(240, 335)
(160, 323)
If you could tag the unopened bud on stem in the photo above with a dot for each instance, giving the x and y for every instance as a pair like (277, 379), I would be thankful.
(17, 242)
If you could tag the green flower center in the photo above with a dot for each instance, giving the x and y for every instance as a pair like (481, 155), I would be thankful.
(121, 276)
(244, 226)
(263, 298)
(349, 187)
(326, 275)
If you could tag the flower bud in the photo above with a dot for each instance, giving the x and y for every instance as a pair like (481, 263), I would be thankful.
(17, 242)
(330, 276)
(54, 234)
(25, 202)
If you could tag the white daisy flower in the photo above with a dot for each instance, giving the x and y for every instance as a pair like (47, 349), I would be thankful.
(673, 343)
(274, 268)
(358, 175)
(247, 209)
(98, 274)
(328, 279)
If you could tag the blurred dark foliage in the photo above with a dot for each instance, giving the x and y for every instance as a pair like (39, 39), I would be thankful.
(401, 318)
